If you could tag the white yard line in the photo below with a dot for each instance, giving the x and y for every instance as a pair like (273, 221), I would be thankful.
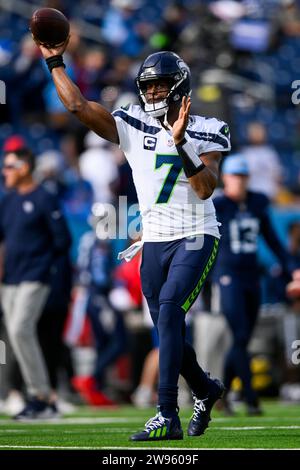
(63, 421)
(196, 448)
(253, 418)
(125, 430)
(247, 428)
(49, 447)
(134, 420)
(137, 448)
(72, 431)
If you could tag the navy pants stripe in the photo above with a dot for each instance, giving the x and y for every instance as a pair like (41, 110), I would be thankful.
(240, 300)
(171, 272)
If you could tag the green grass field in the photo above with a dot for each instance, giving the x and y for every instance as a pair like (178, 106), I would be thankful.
(278, 428)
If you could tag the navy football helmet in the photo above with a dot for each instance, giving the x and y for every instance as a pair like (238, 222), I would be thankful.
(167, 65)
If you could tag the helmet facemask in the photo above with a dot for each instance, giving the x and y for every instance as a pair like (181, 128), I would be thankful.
(160, 108)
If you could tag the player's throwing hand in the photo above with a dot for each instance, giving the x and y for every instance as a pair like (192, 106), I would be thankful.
(50, 52)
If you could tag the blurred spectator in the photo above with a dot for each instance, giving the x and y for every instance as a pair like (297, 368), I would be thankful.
(275, 280)
(228, 10)
(34, 232)
(75, 46)
(56, 113)
(71, 145)
(119, 75)
(75, 193)
(127, 293)
(123, 28)
(125, 181)
(57, 116)
(91, 72)
(289, 18)
(145, 395)
(294, 239)
(244, 216)
(11, 384)
(98, 154)
(175, 19)
(25, 68)
(78, 195)
(94, 276)
(51, 326)
(206, 39)
(49, 172)
(13, 143)
(290, 390)
(127, 296)
(265, 171)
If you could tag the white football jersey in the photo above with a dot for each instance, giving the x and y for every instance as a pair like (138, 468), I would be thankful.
(170, 208)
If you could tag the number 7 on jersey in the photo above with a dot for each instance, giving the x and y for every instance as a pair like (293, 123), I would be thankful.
(171, 178)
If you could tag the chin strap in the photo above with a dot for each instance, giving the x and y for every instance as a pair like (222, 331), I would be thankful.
(166, 124)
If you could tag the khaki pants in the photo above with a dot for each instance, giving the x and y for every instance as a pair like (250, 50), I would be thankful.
(22, 306)
(212, 340)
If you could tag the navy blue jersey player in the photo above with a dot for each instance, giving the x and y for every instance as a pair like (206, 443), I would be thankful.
(174, 159)
(244, 216)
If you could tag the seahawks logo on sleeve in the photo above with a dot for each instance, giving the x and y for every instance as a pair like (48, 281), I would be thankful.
(210, 134)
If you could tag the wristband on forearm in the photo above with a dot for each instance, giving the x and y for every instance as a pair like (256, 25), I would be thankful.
(55, 61)
(192, 164)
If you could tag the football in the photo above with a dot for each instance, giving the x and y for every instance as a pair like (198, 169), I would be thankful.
(49, 27)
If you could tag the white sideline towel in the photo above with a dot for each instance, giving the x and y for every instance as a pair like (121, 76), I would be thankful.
(130, 252)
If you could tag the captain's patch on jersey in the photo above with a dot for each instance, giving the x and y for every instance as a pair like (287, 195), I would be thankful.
(149, 142)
